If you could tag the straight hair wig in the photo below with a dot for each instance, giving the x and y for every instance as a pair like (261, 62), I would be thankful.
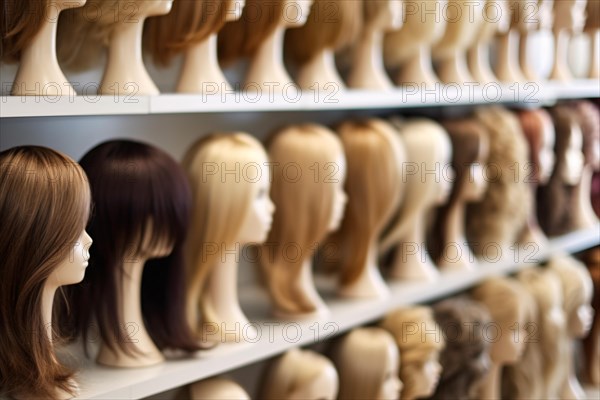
(44, 208)
(20, 22)
(141, 202)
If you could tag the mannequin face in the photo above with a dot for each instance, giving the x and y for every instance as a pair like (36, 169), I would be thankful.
(595, 154)
(573, 165)
(570, 15)
(427, 377)
(546, 155)
(424, 20)
(296, 12)
(339, 198)
(391, 19)
(258, 221)
(498, 11)
(234, 9)
(476, 184)
(72, 269)
(445, 179)
(391, 386)
(158, 7)
(581, 321)
(323, 387)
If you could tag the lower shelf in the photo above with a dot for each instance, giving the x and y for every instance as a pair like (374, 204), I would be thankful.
(276, 336)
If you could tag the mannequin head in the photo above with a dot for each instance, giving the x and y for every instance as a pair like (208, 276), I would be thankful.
(533, 15)
(367, 361)
(420, 341)
(300, 375)
(375, 155)
(424, 25)
(146, 219)
(507, 302)
(322, 33)
(217, 389)
(82, 39)
(44, 208)
(464, 359)
(592, 21)
(589, 121)
(383, 15)
(188, 23)
(464, 20)
(313, 207)
(496, 19)
(539, 132)
(569, 15)
(228, 209)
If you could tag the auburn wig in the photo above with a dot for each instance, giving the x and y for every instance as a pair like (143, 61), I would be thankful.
(141, 202)
(20, 22)
(44, 208)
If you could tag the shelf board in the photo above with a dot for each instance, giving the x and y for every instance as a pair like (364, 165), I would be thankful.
(278, 336)
(527, 95)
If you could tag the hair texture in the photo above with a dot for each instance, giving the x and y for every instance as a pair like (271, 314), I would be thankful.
(592, 342)
(427, 146)
(374, 155)
(44, 207)
(502, 213)
(469, 141)
(243, 37)
(359, 358)
(464, 359)
(332, 24)
(20, 22)
(303, 208)
(293, 370)
(592, 10)
(189, 22)
(149, 210)
(555, 199)
(416, 346)
(220, 207)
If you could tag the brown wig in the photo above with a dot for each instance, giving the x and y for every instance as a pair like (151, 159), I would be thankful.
(44, 207)
(188, 23)
(592, 22)
(20, 22)
(469, 140)
(332, 24)
(464, 359)
(242, 38)
(135, 185)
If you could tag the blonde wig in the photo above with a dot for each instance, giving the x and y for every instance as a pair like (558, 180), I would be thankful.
(189, 22)
(303, 207)
(220, 205)
(359, 358)
(428, 148)
(374, 155)
(592, 342)
(502, 213)
(461, 29)
(292, 371)
(331, 25)
(243, 37)
(418, 345)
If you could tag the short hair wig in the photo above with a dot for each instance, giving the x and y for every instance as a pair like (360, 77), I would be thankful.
(44, 208)
(20, 22)
(139, 193)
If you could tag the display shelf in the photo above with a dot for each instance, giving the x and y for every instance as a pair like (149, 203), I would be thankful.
(527, 95)
(277, 336)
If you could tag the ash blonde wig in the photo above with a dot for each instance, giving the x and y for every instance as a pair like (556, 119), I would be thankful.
(293, 370)
(220, 205)
(189, 22)
(331, 25)
(303, 207)
(421, 343)
(375, 155)
(20, 22)
(502, 213)
(358, 357)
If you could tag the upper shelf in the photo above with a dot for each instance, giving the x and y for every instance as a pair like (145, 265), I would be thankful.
(526, 95)
(277, 336)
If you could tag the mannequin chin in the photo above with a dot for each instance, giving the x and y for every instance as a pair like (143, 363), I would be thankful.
(300, 14)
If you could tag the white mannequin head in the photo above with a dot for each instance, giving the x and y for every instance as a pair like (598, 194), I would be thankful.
(217, 389)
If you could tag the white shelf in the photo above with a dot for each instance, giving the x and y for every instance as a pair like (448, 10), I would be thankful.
(529, 94)
(97, 382)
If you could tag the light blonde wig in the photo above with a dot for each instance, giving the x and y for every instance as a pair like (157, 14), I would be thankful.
(456, 35)
(304, 199)
(220, 206)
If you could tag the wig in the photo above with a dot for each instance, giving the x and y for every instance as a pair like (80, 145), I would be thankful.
(359, 358)
(419, 340)
(464, 359)
(592, 342)
(303, 208)
(588, 117)
(331, 25)
(149, 210)
(592, 21)
(555, 199)
(501, 215)
(375, 155)
(469, 146)
(189, 22)
(372, 11)
(20, 22)
(44, 208)
(293, 371)
(220, 207)
(461, 29)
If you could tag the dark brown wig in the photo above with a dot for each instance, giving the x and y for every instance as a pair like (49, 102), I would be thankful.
(44, 207)
(20, 22)
(133, 185)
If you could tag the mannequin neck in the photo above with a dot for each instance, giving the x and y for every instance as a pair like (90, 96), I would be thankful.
(453, 69)
(594, 72)
(572, 389)
(47, 301)
(419, 70)
(368, 71)
(585, 217)
(490, 386)
(561, 71)
(267, 64)
(200, 72)
(528, 72)
(455, 239)
(508, 69)
(306, 286)
(479, 63)
(320, 71)
(369, 283)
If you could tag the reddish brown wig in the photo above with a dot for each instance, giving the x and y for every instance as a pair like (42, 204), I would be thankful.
(134, 184)
(532, 122)
(44, 207)
(20, 22)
